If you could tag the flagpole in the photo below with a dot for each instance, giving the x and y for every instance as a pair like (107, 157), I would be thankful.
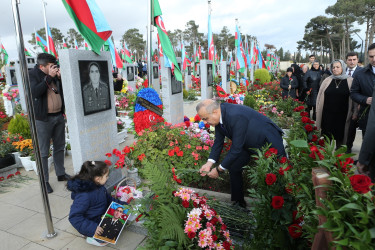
(45, 24)
(149, 41)
(235, 64)
(25, 79)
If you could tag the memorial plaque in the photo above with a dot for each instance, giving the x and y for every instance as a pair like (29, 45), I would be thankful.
(155, 70)
(176, 85)
(130, 73)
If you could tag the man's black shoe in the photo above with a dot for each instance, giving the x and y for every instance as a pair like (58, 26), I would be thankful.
(64, 177)
(241, 203)
(49, 188)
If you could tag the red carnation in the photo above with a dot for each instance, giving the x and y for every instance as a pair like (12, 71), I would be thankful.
(108, 154)
(1, 178)
(270, 179)
(277, 202)
(308, 128)
(361, 183)
(185, 204)
(270, 152)
(283, 160)
(10, 176)
(180, 153)
(109, 163)
(214, 237)
(223, 227)
(171, 152)
(295, 231)
(141, 157)
(187, 123)
(226, 245)
(17, 173)
(191, 235)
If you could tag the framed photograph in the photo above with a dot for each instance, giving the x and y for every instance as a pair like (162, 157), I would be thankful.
(95, 86)
(228, 72)
(13, 76)
(189, 70)
(176, 85)
(113, 223)
(155, 72)
(210, 78)
(130, 73)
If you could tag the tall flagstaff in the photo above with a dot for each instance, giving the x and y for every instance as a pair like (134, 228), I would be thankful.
(45, 24)
(25, 79)
(149, 40)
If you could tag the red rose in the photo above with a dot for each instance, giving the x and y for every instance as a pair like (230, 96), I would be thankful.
(295, 219)
(214, 237)
(191, 235)
(295, 231)
(226, 245)
(304, 114)
(171, 152)
(321, 142)
(187, 123)
(281, 171)
(270, 179)
(214, 220)
(185, 204)
(314, 138)
(315, 151)
(308, 128)
(277, 202)
(270, 152)
(223, 227)
(197, 118)
(361, 183)
(283, 160)
(180, 153)
(305, 119)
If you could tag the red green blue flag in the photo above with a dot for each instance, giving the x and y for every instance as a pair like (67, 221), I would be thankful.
(41, 42)
(27, 53)
(128, 57)
(169, 55)
(211, 47)
(75, 44)
(239, 57)
(51, 44)
(116, 60)
(3, 51)
(64, 44)
(90, 22)
(86, 46)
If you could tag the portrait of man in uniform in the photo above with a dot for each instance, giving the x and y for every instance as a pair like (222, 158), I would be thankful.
(228, 72)
(209, 75)
(130, 73)
(13, 76)
(155, 71)
(95, 86)
(176, 85)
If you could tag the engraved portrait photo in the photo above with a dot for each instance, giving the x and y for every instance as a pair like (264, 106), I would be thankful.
(130, 73)
(13, 76)
(209, 75)
(155, 72)
(95, 86)
(176, 85)
(189, 70)
(228, 72)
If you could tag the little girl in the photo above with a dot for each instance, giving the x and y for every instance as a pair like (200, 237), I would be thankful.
(90, 199)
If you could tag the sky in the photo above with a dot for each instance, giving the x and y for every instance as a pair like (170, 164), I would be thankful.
(278, 22)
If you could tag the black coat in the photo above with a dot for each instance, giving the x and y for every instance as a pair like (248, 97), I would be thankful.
(284, 84)
(247, 129)
(362, 88)
(311, 81)
(39, 87)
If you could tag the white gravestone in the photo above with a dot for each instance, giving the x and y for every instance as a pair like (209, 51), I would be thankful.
(155, 78)
(225, 76)
(173, 109)
(130, 74)
(206, 79)
(188, 78)
(30, 65)
(90, 111)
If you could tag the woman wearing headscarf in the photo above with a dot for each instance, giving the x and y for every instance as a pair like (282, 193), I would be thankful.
(334, 105)
(311, 85)
(289, 84)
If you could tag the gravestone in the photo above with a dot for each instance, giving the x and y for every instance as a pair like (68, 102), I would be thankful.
(206, 79)
(155, 78)
(225, 76)
(30, 65)
(130, 74)
(90, 114)
(173, 109)
(188, 78)
(10, 75)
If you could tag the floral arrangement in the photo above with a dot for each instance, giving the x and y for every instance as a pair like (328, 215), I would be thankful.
(196, 81)
(11, 93)
(203, 225)
(122, 102)
(25, 147)
(7, 140)
(120, 125)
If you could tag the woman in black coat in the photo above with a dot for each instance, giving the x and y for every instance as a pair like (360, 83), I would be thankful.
(289, 84)
(311, 83)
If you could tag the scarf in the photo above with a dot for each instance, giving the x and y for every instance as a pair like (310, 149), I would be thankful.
(343, 75)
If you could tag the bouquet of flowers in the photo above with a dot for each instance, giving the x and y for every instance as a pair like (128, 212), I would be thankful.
(25, 147)
(11, 94)
(203, 225)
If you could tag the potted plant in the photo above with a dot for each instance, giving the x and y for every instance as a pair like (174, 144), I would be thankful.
(68, 149)
(20, 125)
(25, 147)
(6, 148)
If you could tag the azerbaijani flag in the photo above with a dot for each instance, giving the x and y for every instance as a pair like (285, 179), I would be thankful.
(51, 44)
(239, 58)
(127, 53)
(41, 42)
(184, 57)
(211, 49)
(64, 44)
(200, 52)
(27, 53)
(165, 42)
(3, 51)
(86, 46)
(75, 44)
(116, 60)
(90, 22)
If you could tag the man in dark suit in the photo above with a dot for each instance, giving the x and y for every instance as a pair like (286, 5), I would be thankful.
(112, 226)
(351, 70)
(247, 129)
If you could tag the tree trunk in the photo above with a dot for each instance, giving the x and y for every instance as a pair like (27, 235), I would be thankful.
(371, 34)
(365, 59)
(331, 45)
(347, 36)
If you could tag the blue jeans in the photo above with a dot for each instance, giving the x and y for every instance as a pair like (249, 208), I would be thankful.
(53, 129)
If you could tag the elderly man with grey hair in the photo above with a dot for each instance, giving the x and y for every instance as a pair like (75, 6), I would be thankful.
(248, 130)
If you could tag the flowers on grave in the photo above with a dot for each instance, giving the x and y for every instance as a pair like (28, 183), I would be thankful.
(122, 102)
(11, 93)
(139, 82)
(120, 125)
(361, 183)
(25, 147)
(221, 92)
(6, 143)
(203, 226)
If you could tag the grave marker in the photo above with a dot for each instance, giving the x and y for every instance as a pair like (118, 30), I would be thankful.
(206, 79)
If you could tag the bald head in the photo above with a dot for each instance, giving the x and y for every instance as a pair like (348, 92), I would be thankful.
(209, 111)
(209, 104)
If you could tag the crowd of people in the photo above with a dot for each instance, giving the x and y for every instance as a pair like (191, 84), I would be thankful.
(339, 100)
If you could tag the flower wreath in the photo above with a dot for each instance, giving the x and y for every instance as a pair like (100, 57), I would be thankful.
(221, 92)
